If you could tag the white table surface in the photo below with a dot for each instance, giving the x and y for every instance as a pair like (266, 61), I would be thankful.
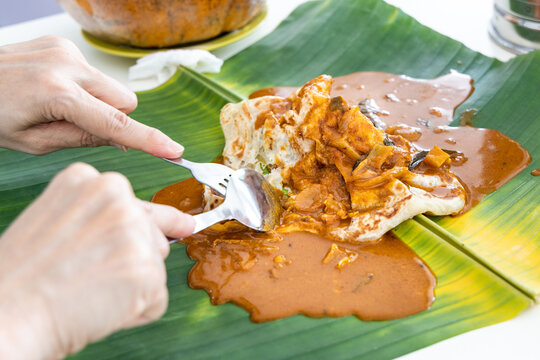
(463, 20)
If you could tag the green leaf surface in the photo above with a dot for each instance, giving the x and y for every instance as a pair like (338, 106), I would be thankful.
(335, 37)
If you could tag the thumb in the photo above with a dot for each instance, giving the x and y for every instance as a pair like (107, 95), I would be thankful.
(170, 221)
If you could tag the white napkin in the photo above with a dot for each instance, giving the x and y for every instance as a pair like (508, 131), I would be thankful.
(162, 65)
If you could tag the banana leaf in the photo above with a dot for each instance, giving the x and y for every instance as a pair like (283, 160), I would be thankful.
(335, 37)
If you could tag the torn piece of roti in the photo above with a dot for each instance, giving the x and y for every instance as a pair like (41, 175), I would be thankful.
(341, 176)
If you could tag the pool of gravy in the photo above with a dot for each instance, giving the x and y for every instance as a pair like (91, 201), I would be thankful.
(273, 276)
(420, 111)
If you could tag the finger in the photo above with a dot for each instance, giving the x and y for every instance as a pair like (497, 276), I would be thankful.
(155, 309)
(25, 46)
(158, 239)
(45, 138)
(103, 120)
(108, 90)
(151, 305)
(53, 41)
(49, 49)
(74, 175)
(172, 222)
(117, 185)
(64, 181)
(42, 43)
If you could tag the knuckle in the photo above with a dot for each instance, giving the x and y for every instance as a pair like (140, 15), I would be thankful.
(133, 102)
(59, 42)
(63, 101)
(63, 51)
(161, 297)
(78, 166)
(164, 249)
(154, 135)
(39, 147)
(93, 72)
(76, 169)
(124, 217)
(116, 181)
(50, 80)
(66, 92)
(152, 269)
(119, 122)
(53, 40)
(59, 54)
(162, 300)
(140, 259)
(153, 273)
(80, 62)
(129, 102)
(116, 186)
(87, 139)
(73, 172)
(119, 209)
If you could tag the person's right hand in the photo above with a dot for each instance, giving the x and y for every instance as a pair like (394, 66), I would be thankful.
(85, 259)
(52, 99)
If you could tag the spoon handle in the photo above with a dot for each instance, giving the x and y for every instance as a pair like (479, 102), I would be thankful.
(207, 219)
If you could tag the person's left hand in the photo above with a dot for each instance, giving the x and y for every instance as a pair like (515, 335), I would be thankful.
(51, 99)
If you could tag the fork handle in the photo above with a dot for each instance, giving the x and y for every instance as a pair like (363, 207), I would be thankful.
(207, 219)
(212, 175)
(182, 162)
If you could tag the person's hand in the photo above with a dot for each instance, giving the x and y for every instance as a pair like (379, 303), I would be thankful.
(52, 99)
(85, 259)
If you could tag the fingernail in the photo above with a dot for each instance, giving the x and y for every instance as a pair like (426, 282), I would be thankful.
(176, 148)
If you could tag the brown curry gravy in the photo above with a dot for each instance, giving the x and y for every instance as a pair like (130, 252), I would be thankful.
(275, 276)
(301, 273)
(420, 111)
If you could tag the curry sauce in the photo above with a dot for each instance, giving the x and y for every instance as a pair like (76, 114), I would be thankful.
(301, 273)
(300, 268)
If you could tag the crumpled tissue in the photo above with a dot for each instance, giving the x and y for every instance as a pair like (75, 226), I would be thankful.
(162, 65)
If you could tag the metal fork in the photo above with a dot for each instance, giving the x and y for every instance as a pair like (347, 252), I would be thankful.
(214, 175)
(249, 199)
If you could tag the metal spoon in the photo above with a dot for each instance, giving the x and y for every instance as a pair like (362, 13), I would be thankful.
(250, 199)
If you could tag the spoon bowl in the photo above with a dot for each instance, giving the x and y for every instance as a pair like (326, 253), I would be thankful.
(249, 199)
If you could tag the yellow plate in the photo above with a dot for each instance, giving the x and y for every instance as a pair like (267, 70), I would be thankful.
(211, 44)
